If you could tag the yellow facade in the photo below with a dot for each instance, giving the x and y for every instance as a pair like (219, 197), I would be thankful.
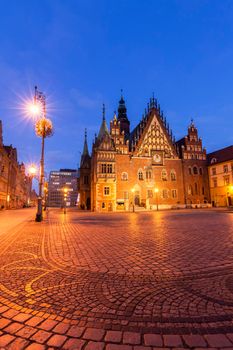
(221, 183)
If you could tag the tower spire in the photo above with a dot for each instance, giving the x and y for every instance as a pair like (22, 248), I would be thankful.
(122, 115)
(103, 128)
(85, 146)
(103, 112)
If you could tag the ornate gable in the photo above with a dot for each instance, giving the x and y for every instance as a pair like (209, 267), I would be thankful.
(155, 136)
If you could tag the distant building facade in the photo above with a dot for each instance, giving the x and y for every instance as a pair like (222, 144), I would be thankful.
(220, 168)
(15, 185)
(62, 188)
(144, 167)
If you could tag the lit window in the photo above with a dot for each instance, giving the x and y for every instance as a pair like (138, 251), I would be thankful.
(226, 180)
(174, 193)
(173, 175)
(190, 190)
(148, 174)
(165, 193)
(126, 195)
(225, 168)
(164, 175)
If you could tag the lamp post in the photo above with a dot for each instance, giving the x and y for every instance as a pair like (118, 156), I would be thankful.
(157, 201)
(32, 171)
(133, 190)
(43, 129)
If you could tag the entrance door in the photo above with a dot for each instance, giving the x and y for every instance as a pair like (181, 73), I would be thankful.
(88, 203)
(137, 198)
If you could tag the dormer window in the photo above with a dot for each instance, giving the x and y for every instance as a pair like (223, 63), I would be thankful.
(213, 160)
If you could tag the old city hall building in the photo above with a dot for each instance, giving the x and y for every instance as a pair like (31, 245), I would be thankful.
(144, 167)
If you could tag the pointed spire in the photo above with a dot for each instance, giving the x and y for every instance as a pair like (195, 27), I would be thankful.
(122, 115)
(85, 146)
(115, 117)
(103, 111)
(103, 128)
(153, 100)
(85, 157)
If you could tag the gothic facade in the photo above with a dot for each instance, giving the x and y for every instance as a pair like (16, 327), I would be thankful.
(145, 167)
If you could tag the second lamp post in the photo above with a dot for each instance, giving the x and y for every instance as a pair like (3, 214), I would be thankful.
(43, 129)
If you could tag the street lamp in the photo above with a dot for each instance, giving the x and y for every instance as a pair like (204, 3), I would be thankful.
(43, 129)
(32, 170)
(156, 194)
(65, 190)
(133, 190)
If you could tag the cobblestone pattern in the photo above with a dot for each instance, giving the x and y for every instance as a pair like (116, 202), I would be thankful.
(118, 282)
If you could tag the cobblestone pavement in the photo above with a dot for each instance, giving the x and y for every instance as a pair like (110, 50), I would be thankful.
(136, 281)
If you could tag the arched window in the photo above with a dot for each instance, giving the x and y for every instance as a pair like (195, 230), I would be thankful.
(140, 174)
(195, 170)
(164, 175)
(148, 175)
(200, 171)
(124, 176)
(173, 175)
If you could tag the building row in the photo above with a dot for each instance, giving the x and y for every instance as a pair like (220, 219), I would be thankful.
(15, 185)
(147, 167)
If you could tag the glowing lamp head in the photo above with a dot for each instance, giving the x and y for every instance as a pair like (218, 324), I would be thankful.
(32, 170)
(133, 190)
(156, 190)
(65, 190)
(34, 109)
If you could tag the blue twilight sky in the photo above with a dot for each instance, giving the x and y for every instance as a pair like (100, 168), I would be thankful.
(82, 52)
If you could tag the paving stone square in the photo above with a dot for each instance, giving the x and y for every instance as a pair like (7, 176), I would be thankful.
(118, 281)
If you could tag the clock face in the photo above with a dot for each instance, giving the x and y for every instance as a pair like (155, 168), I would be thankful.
(157, 158)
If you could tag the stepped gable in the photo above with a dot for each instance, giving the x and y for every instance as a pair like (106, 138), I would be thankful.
(153, 133)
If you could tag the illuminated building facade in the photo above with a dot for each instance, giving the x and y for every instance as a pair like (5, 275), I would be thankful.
(145, 167)
(15, 185)
(220, 167)
(62, 188)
